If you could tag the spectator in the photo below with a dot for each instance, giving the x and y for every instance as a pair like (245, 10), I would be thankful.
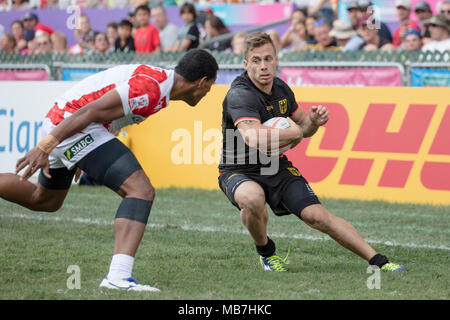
(440, 33)
(43, 43)
(59, 41)
(21, 5)
(354, 14)
(132, 19)
(298, 16)
(18, 32)
(323, 9)
(403, 14)
(276, 39)
(309, 22)
(101, 45)
(7, 43)
(300, 37)
(112, 33)
(372, 40)
(423, 13)
(412, 40)
(322, 37)
(125, 41)
(146, 38)
(189, 35)
(237, 42)
(168, 32)
(32, 26)
(200, 20)
(84, 36)
(344, 34)
(445, 8)
(367, 12)
(215, 27)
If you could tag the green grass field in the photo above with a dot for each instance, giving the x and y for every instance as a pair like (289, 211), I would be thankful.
(195, 247)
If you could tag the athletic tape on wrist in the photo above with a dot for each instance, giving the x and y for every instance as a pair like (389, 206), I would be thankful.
(48, 143)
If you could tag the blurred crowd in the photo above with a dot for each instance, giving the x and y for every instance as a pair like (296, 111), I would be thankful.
(314, 26)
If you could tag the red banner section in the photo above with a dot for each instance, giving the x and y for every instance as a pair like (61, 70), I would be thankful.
(351, 77)
(24, 75)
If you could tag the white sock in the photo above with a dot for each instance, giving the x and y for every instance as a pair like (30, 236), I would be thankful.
(121, 267)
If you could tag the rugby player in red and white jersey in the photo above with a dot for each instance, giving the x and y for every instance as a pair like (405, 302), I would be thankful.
(77, 132)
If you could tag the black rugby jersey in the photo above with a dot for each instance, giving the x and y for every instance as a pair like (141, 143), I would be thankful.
(245, 101)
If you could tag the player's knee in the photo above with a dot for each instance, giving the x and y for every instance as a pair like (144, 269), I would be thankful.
(138, 185)
(317, 218)
(253, 202)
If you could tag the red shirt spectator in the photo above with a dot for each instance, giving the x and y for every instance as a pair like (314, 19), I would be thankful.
(147, 39)
(403, 14)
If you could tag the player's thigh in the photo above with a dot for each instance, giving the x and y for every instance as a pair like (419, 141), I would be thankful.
(114, 165)
(298, 196)
(50, 193)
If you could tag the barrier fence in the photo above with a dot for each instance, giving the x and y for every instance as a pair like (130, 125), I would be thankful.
(301, 68)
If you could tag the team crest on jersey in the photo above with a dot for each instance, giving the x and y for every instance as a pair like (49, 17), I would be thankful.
(294, 171)
(139, 102)
(283, 106)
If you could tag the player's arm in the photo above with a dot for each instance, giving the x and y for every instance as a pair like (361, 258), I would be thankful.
(105, 109)
(258, 136)
(309, 123)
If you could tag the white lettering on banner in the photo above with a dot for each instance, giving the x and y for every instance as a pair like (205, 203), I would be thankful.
(22, 115)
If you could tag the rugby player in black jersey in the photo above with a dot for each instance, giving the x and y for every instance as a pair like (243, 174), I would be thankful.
(250, 179)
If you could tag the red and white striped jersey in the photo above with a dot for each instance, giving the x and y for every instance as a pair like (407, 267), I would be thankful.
(144, 90)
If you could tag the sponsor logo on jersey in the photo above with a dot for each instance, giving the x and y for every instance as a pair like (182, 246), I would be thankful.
(139, 102)
(78, 146)
(137, 118)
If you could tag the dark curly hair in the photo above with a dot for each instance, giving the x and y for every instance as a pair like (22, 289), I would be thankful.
(196, 64)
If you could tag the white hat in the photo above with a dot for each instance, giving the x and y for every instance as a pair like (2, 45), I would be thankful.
(342, 30)
(403, 3)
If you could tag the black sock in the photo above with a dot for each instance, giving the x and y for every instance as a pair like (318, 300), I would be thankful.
(378, 260)
(266, 250)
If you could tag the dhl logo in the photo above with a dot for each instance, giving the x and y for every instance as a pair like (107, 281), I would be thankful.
(381, 145)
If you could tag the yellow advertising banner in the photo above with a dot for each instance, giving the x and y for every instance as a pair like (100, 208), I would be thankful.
(385, 143)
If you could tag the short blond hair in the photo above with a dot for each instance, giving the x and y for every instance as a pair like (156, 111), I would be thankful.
(256, 40)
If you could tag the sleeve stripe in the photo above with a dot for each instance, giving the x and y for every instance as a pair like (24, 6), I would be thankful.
(295, 110)
(245, 118)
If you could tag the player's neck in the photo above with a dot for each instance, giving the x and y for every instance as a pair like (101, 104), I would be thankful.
(267, 89)
(179, 88)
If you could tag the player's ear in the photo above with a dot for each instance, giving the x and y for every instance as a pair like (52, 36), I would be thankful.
(202, 81)
(245, 64)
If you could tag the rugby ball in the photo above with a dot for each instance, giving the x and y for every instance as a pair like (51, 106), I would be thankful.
(277, 123)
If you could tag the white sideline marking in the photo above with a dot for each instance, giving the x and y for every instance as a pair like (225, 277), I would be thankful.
(215, 229)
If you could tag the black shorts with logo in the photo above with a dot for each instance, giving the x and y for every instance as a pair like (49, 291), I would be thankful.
(110, 164)
(287, 191)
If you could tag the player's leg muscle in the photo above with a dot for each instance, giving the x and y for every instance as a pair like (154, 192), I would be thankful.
(251, 199)
(33, 196)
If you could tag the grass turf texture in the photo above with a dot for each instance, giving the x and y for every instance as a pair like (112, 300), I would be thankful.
(195, 247)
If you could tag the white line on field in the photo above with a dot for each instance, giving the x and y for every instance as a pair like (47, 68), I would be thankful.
(215, 229)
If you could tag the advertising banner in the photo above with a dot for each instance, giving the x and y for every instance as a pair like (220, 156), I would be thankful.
(349, 77)
(23, 75)
(379, 144)
(21, 116)
(430, 77)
